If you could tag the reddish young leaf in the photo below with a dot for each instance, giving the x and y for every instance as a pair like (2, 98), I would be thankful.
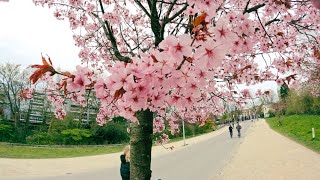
(256, 77)
(316, 53)
(50, 61)
(286, 3)
(42, 69)
(246, 67)
(64, 86)
(291, 77)
(189, 59)
(289, 63)
(118, 94)
(36, 66)
(67, 73)
(44, 61)
(154, 58)
(91, 84)
(199, 20)
(280, 34)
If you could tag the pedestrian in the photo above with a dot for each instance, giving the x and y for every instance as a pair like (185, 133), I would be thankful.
(230, 130)
(238, 127)
(125, 163)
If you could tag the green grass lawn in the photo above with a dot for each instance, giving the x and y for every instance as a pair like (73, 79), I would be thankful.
(26, 152)
(298, 128)
(9, 151)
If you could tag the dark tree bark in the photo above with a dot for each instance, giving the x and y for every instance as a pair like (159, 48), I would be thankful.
(141, 144)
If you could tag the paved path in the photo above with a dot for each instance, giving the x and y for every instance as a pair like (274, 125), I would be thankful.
(267, 155)
(202, 159)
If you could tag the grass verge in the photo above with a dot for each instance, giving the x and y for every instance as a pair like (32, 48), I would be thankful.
(30, 152)
(299, 128)
(26, 152)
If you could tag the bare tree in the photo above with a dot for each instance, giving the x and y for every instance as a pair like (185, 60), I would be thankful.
(13, 79)
(268, 97)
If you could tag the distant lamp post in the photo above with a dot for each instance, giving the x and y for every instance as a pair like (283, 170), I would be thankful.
(184, 134)
(313, 134)
(233, 119)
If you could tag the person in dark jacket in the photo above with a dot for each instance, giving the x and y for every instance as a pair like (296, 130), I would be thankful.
(230, 130)
(125, 164)
(238, 127)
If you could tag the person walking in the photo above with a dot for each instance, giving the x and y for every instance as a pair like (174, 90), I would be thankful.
(238, 127)
(125, 164)
(230, 130)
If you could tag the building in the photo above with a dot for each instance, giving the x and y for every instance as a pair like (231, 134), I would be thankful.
(266, 110)
(82, 114)
(247, 114)
(38, 111)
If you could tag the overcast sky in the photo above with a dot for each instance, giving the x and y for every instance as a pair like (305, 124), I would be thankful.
(27, 31)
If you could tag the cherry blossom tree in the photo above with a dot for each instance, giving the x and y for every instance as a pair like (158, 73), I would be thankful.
(311, 69)
(177, 59)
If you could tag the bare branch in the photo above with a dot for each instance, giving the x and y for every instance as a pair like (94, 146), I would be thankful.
(254, 8)
(143, 8)
(178, 13)
(109, 32)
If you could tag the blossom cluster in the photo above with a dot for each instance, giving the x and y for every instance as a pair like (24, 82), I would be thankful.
(25, 94)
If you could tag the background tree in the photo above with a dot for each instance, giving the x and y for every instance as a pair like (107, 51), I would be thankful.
(312, 71)
(14, 84)
(267, 97)
(279, 108)
(284, 91)
(303, 101)
(1, 104)
(173, 54)
(13, 79)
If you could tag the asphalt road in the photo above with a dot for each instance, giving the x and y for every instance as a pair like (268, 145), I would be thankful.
(201, 161)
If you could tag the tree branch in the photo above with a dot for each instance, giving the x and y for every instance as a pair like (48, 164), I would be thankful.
(155, 24)
(109, 32)
(271, 21)
(263, 26)
(143, 8)
(178, 13)
(246, 8)
(170, 8)
(254, 8)
(182, 62)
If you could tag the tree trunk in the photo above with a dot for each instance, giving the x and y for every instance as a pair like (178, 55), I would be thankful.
(141, 144)
(16, 117)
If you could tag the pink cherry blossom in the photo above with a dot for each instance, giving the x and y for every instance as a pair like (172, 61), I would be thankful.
(25, 94)
(80, 81)
(210, 55)
(316, 3)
